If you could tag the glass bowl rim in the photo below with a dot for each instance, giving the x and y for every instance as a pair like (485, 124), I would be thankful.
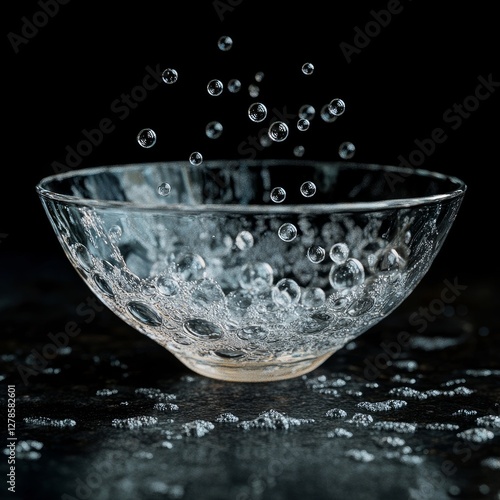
(362, 206)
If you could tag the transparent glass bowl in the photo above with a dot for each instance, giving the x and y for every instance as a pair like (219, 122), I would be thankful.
(240, 287)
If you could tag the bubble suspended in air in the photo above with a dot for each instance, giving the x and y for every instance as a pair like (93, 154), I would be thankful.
(259, 76)
(215, 87)
(225, 43)
(234, 85)
(196, 158)
(146, 138)
(278, 131)
(316, 254)
(257, 112)
(191, 266)
(169, 76)
(299, 151)
(244, 240)
(308, 189)
(303, 124)
(339, 253)
(214, 130)
(307, 112)
(167, 286)
(278, 195)
(164, 189)
(347, 150)
(115, 232)
(253, 90)
(287, 232)
(265, 140)
(347, 275)
(337, 107)
(286, 292)
(313, 297)
(256, 276)
(308, 68)
(326, 115)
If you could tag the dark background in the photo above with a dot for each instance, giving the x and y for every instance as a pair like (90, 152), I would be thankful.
(64, 76)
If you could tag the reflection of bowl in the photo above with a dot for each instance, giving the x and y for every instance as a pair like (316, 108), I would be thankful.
(240, 287)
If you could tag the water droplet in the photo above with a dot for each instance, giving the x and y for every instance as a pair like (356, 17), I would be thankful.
(225, 43)
(286, 292)
(234, 85)
(144, 313)
(299, 151)
(278, 131)
(253, 90)
(308, 68)
(208, 292)
(195, 158)
(167, 286)
(287, 232)
(327, 115)
(303, 124)
(252, 333)
(347, 150)
(257, 112)
(229, 353)
(191, 266)
(313, 297)
(339, 253)
(215, 87)
(83, 256)
(103, 285)
(259, 76)
(278, 195)
(307, 112)
(244, 240)
(347, 275)
(169, 75)
(308, 189)
(213, 130)
(337, 107)
(146, 138)
(164, 189)
(202, 328)
(316, 254)
(256, 276)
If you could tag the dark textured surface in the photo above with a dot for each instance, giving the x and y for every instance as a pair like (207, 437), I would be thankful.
(283, 445)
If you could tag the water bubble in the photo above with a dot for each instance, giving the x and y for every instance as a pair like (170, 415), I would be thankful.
(316, 254)
(347, 150)
(115, 232)
(287, 232)
(257, 112)
(252, 333)
(146, 138)
(244, 240)
(256, 276)
(347, 275)
(313, 297)
(214, 130)
(307, 112)
(215, 87)
(286, 292)
(308, 68)
(259, 76)
(265, 140)
(225, 43)
(278, 195)
(164, 189)
(303, 124)
(337, 107)
(299, 151)
(169, 75)
(167, 286)
(234, 85)
(83, 256)
(339, 253)
(144, 313)
(207, 292)
(202, 328)
(327, 115)
(103, 285)
(195, 158)
(253, 90)
(278, 131)
(308, 189)
(191, 266)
